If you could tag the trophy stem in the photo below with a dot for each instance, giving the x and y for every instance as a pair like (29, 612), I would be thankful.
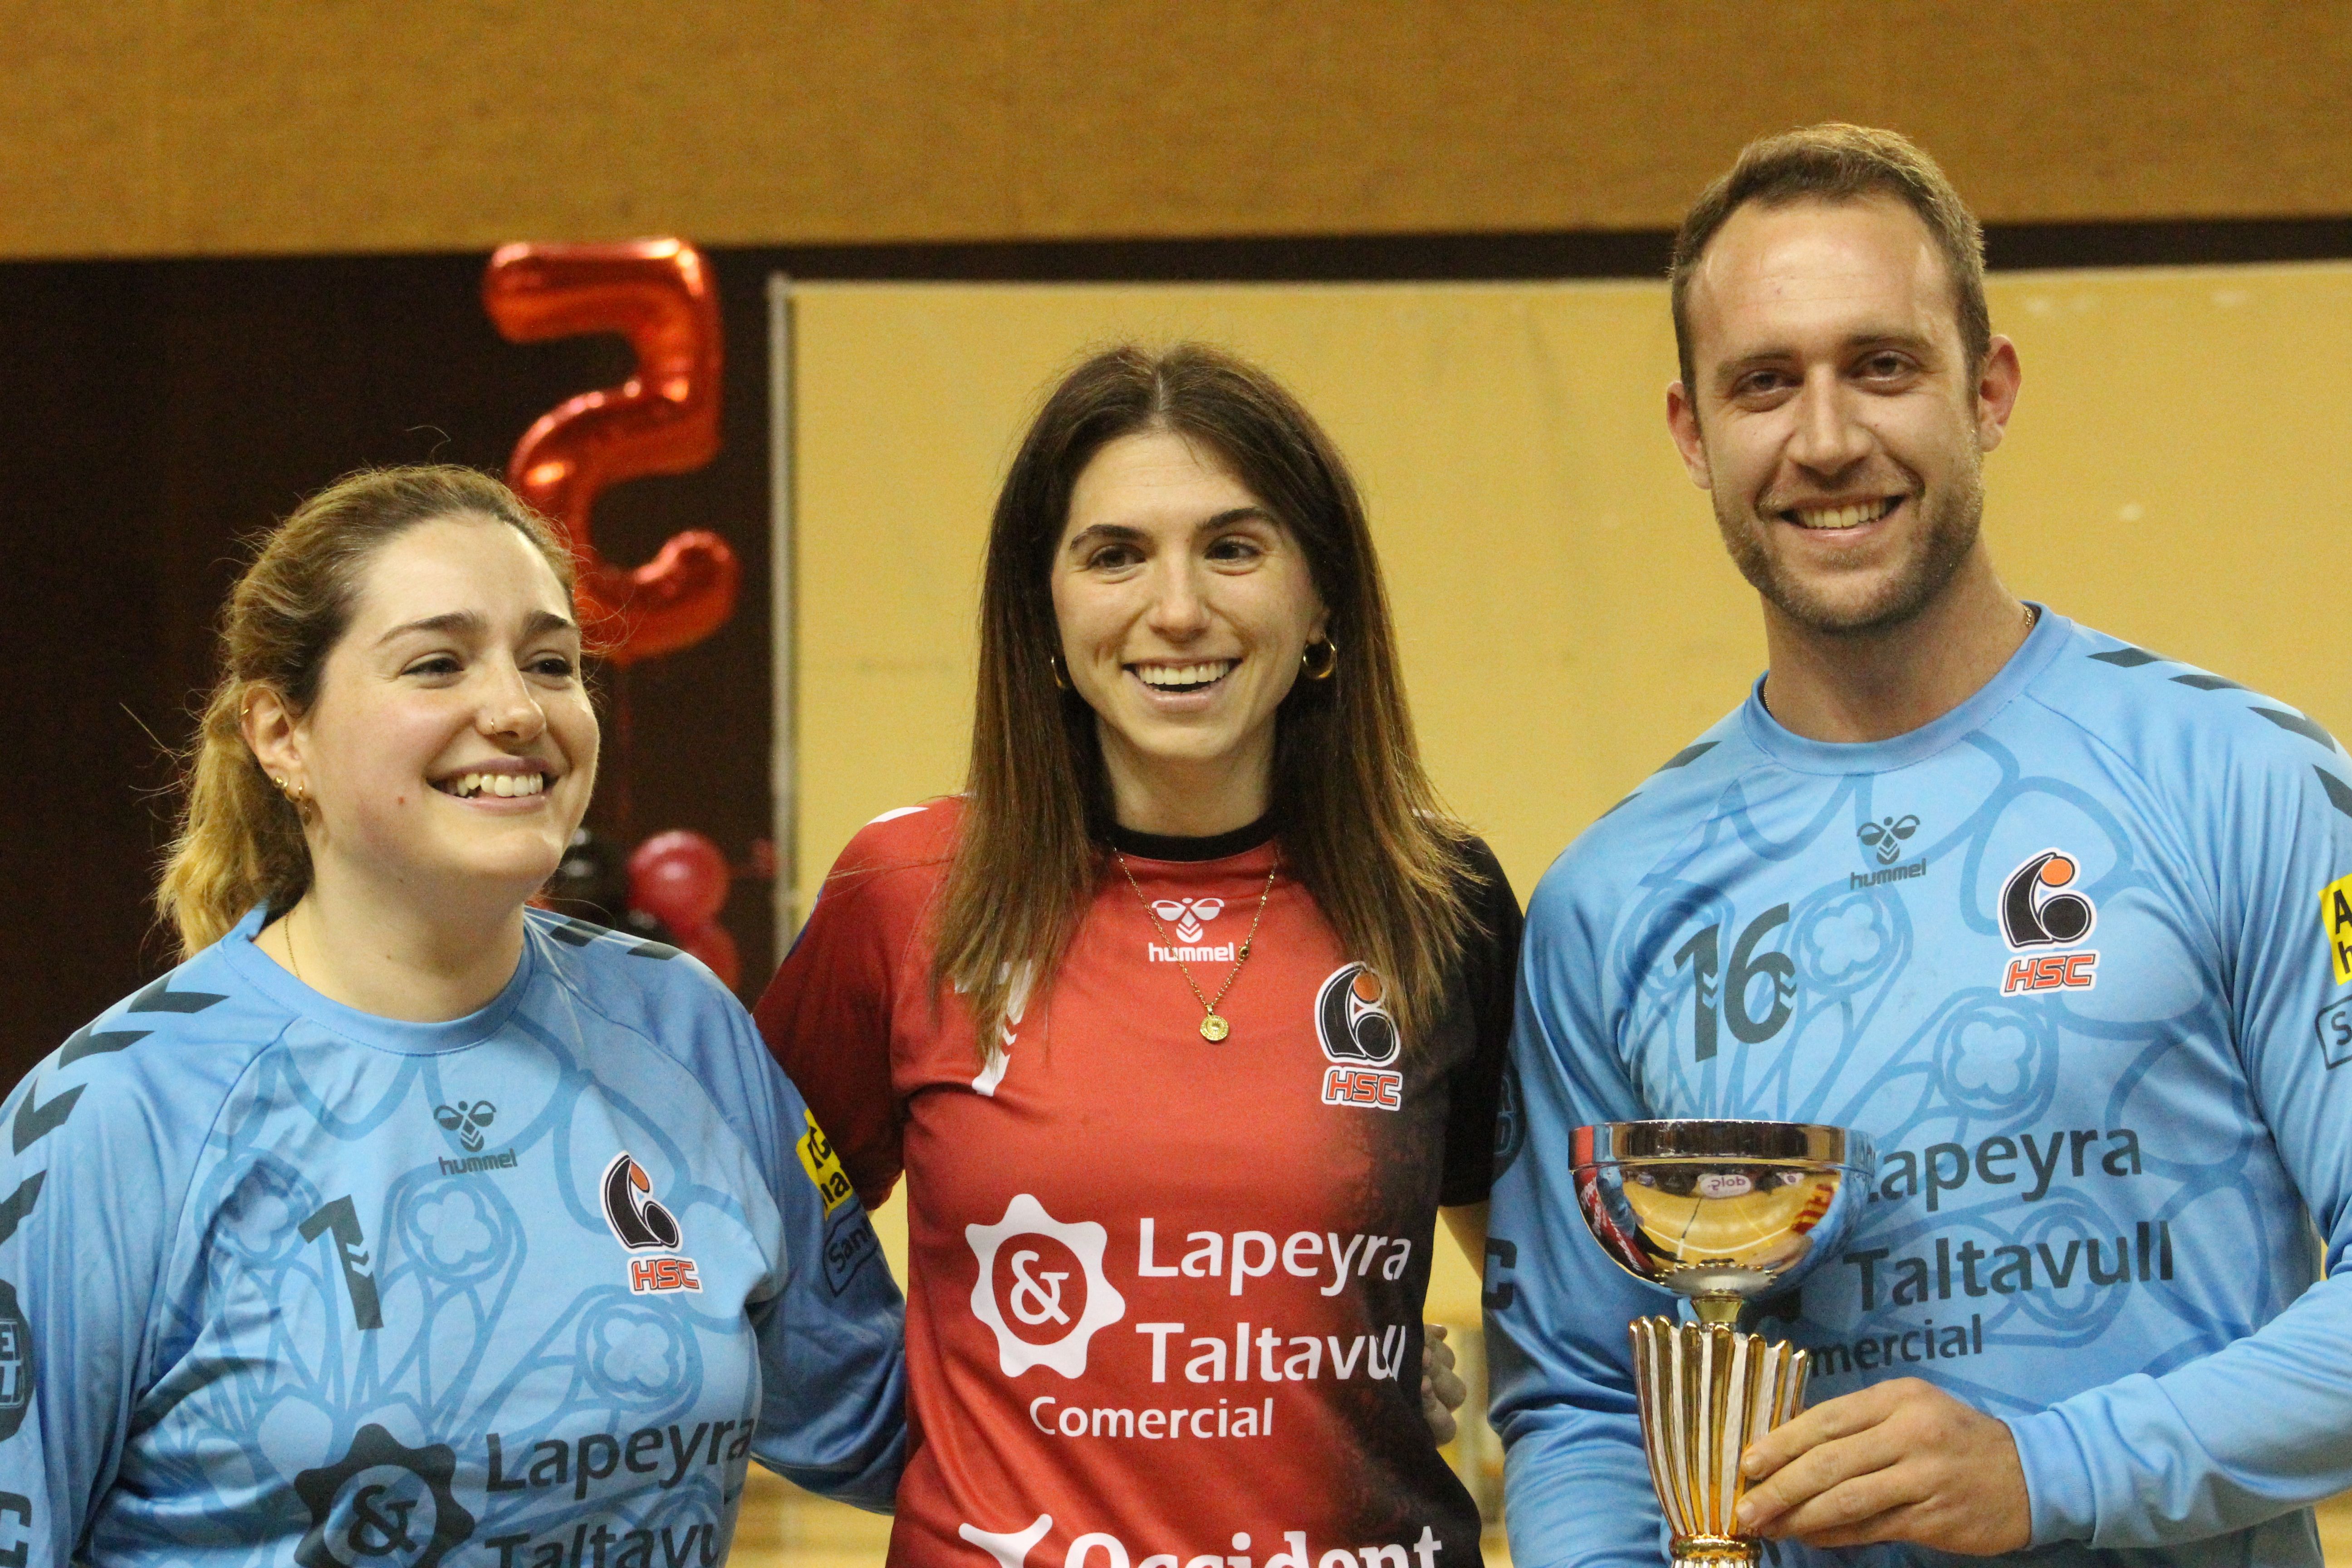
(1707, 1392)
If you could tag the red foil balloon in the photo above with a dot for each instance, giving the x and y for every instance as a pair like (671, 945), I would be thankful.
(664, 419)
(680, 879)
(715, 947)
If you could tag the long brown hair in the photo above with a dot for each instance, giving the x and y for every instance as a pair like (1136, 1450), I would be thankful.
(1361, 827)
(240, 842)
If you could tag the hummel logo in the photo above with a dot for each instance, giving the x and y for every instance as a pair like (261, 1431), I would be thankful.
(466, 1119)
(1187, 914)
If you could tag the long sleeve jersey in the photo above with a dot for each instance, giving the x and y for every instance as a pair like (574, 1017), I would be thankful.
(2077, 956)
(283, 1282)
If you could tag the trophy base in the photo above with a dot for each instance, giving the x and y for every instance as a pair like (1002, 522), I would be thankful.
(1717, 1551)
(1707, 1392)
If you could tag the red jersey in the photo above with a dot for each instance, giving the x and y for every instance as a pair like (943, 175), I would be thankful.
(1165, 1296)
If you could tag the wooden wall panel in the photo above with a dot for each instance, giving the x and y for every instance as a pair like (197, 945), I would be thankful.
(214, 127)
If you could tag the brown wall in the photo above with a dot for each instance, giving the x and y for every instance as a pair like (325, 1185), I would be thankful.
(155, 413)
(224, 127)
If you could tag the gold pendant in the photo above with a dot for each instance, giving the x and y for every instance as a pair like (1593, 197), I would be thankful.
(1213, 1029)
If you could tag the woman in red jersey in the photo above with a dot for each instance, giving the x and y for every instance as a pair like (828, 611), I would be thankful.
(1185, 1021)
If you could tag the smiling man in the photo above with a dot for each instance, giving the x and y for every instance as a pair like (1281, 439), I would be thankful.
(2063, 925)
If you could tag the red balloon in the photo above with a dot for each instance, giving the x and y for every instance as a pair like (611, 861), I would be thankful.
(680, 879)
(664, 419)
(716, 948)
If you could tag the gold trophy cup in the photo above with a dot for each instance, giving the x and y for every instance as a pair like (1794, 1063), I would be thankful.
(1722, 1213)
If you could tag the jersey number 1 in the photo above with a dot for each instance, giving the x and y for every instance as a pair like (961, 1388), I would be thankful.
(342, 1221)
(1701, 955)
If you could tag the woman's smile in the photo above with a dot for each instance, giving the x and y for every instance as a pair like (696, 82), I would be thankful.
(1183, 606)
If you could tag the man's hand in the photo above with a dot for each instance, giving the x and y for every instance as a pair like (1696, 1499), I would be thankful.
(1898, 1461)
(1442, 1389)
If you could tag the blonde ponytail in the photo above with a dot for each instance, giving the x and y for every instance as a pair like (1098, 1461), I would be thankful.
(241, 841)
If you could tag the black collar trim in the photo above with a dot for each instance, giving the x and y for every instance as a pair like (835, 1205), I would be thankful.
(1170, 846)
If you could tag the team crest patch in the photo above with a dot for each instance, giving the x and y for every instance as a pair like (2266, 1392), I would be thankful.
(2042, 906)
(642, 1225)
(2335, 925)
(1360, 1039)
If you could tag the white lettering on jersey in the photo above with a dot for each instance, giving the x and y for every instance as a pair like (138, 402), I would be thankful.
(1011, 1550)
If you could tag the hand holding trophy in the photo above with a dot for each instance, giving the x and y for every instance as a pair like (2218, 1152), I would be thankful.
(1722, 1213)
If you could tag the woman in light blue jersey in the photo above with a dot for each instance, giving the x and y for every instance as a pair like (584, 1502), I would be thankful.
(401, 1220)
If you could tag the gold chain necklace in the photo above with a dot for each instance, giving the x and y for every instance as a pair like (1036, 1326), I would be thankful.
(1214, 1027)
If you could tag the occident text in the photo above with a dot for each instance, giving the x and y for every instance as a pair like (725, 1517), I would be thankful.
(1098, 1549)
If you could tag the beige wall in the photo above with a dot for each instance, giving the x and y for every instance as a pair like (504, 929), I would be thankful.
(213, 127)
(2176, 474)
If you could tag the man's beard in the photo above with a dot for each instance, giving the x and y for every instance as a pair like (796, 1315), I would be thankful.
(1948, 533)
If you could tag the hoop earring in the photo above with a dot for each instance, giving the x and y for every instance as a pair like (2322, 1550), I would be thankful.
(296, 795)
(1313, 671)
(1061, 676)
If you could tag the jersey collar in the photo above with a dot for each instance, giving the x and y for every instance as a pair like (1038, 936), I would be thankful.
(1793, 751)
(259, 969)
(1216, 846)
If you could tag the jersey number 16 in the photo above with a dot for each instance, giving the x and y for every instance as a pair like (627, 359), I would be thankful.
(1702, 955)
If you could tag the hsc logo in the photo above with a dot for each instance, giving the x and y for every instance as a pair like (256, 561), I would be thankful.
(1036, 1289)
(1359, 1037)
(642, 1225)
(2041, 906)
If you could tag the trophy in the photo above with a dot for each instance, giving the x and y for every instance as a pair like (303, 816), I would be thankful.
(1723, 1212)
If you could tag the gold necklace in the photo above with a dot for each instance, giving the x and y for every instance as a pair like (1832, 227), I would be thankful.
(1214, 1027)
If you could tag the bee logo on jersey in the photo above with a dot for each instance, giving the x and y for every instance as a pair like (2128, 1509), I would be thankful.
(2335, 925)
(642, 1225)
(1884, 839)
(1359, 1039)
(2040, 906)
(382, 1504)
(466, 1119)
(1034, 1287)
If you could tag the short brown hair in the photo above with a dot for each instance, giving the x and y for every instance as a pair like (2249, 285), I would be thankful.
(1362, 826)
(1839, 163)
(241, 841)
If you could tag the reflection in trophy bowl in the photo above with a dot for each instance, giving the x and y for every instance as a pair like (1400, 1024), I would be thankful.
(1720, 1212)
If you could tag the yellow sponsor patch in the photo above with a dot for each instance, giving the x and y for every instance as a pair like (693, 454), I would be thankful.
(2335, 924)
(823, 1166)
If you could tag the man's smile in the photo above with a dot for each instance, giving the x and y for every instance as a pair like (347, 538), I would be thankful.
(1836, 516)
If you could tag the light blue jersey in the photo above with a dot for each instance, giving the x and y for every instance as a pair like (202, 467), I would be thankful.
(281, 1282)
(2078, 957)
